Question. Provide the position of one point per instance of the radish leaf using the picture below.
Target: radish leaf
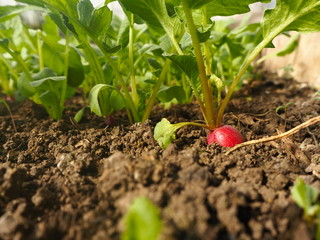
(299, 15)
(142, 221)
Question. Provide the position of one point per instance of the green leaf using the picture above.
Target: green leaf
(51, 29)
(7, 12)
(85, 10)
(142, 221)
(226, 7)
(104, 99)
(150, 11)
(155, 13)
(79, 114)
(154, 63)
(75, 68)
(291, 46)
(24, 86)
(167, 94)
(188, 64)
(299, 15)
(164, 132)
(57, 19)
(46, 89)
(116, 100)
(51, 103)
(100, 21)
(304, 195)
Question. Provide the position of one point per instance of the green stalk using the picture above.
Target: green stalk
(207, 94)
(251, 58)
(207, 52)
(21, 63)
(135, 97)
(155, 91)
(93, 60)
(235, 82)
(11, 70)
(175, 44)
(66, 66)
(40, 55)
(241, 72)
(116, 71)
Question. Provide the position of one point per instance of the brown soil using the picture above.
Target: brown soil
(60, 182)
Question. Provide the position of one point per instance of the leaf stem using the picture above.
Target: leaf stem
(207, 52)
(116, 71)
(40, 55)
(134, 93)
(66, 67)
(20, 62)
(10, 68)
(207, 94)
(93, 60)
(155, 91)
(250, 58)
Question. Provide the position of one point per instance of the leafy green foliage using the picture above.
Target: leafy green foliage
(7, 12)
(105, 99)
(300, 15)
(167, 94)
(142, 221)
(46, 89)
(164, 132)
(229, 7)
(306, 197)
(166, 51)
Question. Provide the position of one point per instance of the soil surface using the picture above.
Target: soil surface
(59, 180)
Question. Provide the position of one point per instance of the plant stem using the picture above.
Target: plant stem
(93, 61)
(134, 93)
(175, 44)
(21, 63)
(207, 94)
(66, 67)
(11, 70)
(40, 55)
(241, 72)
(250, 58)
(207, 52)
(116, 71)
(155, 91)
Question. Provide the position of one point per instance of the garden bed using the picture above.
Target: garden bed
(59, 180)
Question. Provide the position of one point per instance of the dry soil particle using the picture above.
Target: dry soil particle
(60, 181)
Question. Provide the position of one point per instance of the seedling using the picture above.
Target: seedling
(306, 197)
(142, 221)
(292, 19)
(283, 109)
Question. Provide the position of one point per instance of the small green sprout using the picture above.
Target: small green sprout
(306, 197)
(142, 221)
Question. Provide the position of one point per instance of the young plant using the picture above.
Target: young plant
(302, 19)
(142, 221)
(306, 197)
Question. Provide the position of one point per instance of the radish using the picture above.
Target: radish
(225, 136)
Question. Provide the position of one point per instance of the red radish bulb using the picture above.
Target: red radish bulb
(225, 136)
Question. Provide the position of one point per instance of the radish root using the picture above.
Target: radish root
(282, 135)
